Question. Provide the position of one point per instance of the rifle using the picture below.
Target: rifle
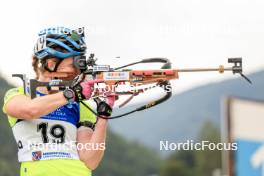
(113, 77)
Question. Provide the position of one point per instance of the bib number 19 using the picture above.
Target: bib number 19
(57, 131)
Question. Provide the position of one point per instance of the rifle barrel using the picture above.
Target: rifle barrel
(221, 69)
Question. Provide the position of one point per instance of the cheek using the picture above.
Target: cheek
(51, 65)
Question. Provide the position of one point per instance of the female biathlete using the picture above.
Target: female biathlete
(55, 133)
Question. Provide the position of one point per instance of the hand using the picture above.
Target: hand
(105, 108)
(83, 90)
(87, 87)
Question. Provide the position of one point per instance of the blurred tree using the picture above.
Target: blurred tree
(127, 158)
(195, 162)
(208, 160)
(175, 167)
